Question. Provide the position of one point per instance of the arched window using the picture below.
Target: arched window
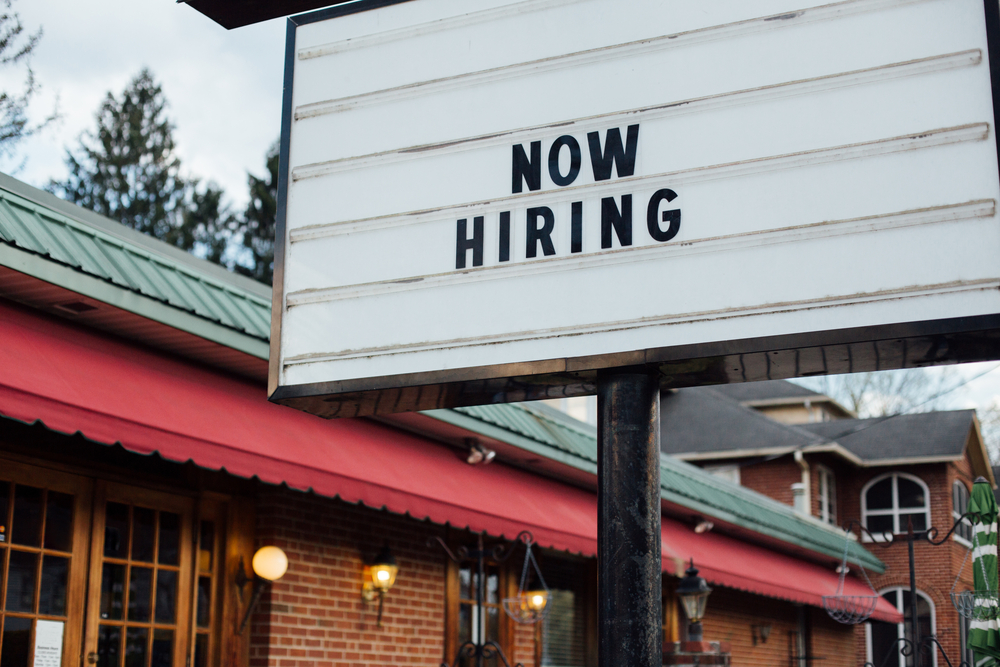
(959, 506)
(883, 638)
(889, 501)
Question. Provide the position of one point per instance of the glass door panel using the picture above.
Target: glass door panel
(44, 520)
(140, 579)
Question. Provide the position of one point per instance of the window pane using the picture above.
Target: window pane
(116, 531)
(204, 600)
(21, 581)
(201, 651)
(140, 590)
(143, 534)
(4, 506)
(27, 528)
(884, 643)
(206, 548)
(492, 587)
(562, 631)
(109, 640)
(911, 494)
(112, 591)
(879, 497)
(136, 641)
(919, 522)
(52, 596)
(16, 642)
(465, 583)
(464, 623)
(492, 623)
(59, 522)
(166, 595)
(170, 538)
(880, 524)
(163, 648)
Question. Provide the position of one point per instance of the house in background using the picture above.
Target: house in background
(141, 466)
(804, 450)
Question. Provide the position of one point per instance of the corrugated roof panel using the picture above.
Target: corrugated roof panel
(95, 246)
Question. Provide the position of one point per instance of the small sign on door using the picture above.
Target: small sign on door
(48, 643)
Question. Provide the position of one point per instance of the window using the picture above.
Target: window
(728, 471)
(890, 501)
(463, 622)
(827, 495)
(883, 638)
(959, 506)
(563, 638)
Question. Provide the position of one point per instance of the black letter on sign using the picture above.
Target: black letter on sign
(531, 170)
(544, 234)
(672, 216)
(505, 236)
(574, 160)
(613, 153)
(576, 227)
(464, 243)
(622, 222)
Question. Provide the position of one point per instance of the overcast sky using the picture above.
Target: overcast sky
(224, 87)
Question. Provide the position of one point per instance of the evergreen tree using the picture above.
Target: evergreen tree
(16, 47)
(128, 170)
(259, 219)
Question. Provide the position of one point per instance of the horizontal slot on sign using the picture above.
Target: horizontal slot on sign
(429, 28)
(783, 235)
(920, 140)
(917, 291)
(878, 74)
(603, 54)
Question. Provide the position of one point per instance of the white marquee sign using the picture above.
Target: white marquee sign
(477, 189)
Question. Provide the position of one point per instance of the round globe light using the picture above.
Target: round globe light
(270, 563)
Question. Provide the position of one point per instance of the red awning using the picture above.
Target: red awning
(74, 379)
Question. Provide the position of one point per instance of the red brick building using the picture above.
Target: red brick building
(804, 450)
(141, 467)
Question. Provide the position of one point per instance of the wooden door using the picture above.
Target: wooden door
(139, 603)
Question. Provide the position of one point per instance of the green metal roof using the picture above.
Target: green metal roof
(548, 432)
(175, 284)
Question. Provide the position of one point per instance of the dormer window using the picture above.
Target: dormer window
(888, 502)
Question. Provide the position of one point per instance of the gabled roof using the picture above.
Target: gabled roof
(938, 436)
(704, 423)
(779, 392)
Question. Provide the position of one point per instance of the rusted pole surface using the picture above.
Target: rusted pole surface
(630, 607)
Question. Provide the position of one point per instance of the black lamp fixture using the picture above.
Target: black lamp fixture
(693, 592)
(269, 564)
(379, 578)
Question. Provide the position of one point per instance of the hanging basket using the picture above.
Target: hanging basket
(529, 606)
(850, 609)
(977, 605)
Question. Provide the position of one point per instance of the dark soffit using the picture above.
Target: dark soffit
(238, 13)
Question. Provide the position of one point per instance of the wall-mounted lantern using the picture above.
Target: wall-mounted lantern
(379, 577)
(760, 633)
(269, 564)
(693, 592)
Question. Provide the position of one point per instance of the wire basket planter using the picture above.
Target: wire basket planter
(528, 606)
(850, 609)
(977, 605)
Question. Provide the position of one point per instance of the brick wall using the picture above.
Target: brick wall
(773, 479)
(936, 566)
(731, 614)
(314, 615)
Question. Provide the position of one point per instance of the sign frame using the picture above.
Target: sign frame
(831, 351)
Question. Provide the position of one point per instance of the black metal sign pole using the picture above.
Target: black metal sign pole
(630, 605)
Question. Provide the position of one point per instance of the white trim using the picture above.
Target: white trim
(895, 510)
(828, 501)
(957, 512)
